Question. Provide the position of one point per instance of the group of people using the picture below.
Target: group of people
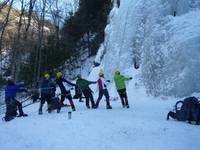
(47, 88)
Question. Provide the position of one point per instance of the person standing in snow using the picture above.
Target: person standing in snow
(87, 92)
(121, 87)
(65, 91)
(45, 90)
(11, 103)
(102, 84)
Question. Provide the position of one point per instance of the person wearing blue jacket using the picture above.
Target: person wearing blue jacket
(11, 103)
(46, 87)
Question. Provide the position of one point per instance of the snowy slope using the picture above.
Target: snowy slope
(142, 127)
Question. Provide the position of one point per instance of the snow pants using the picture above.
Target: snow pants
(11, 107)
(106, 94)
(123, 97)
(67, 95)
(89, 97)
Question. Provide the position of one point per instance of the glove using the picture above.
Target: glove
(108, 81)
(131, 78)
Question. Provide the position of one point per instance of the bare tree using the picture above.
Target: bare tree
(40, 20)
(17, 45)
(3, 4)
(30, 13)
(5, 23)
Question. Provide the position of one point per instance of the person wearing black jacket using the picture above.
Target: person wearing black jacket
(83, 84)
(65, 91)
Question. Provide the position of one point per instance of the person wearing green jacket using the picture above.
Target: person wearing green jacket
(121, 87)
(83, 84)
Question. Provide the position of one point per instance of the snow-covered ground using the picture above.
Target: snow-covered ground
(142, 127)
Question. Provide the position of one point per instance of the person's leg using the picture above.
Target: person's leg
(85, 93)
(122, 97)
(41, 103)
(48, 99)
(106, 94)
(69, 97)
(60, 103)
(63, 95)
(80, 98)
(11, 111)
(126, 100)
(99, 98)
(19, 106)
(91, 99)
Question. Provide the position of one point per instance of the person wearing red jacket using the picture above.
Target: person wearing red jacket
(102, 84)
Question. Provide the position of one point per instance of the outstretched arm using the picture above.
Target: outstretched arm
(92, 82)
(19, 85)
(127, 78)
(72, 84)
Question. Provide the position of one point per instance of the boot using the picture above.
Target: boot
(108, 104)
(97, 103)
(40, 109)
(122, 101)
(94, 106)
(126, 102)
(22, 115)
(73, 109)
(108, 107)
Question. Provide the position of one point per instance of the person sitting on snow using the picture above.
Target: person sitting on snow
(102, 84)
(11, 103)
(121, 87)
(45, 90)
(87, 92)
(65, 91)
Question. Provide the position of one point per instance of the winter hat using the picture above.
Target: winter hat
(46, 75)
(59, 74)
(101, 73)
(117, 72)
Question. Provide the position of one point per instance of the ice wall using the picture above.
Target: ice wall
(168, 46)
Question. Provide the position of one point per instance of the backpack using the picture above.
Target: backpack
(188, 110)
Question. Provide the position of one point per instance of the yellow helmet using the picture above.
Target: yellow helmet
(101, 73)
(117, 72)
(59, 74)
(47, 76)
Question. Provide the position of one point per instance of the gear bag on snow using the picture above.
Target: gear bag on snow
(186, 110)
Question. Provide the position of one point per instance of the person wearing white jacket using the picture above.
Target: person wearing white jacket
(102, 84)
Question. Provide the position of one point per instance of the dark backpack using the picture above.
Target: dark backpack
(188, 109)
